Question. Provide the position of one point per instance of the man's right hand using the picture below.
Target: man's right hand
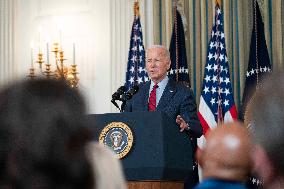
(182, 124)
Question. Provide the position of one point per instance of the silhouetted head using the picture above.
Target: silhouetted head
(226, 154)
(265, 114)
(43, 136)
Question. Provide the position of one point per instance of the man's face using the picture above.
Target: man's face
(157, 64)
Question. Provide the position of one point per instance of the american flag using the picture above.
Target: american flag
(217, 101)
(136, 72)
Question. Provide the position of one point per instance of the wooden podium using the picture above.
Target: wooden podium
(161, 155)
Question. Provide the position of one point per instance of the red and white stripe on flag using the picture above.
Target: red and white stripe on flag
(207, 119)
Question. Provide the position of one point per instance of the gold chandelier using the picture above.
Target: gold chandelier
(61, 71)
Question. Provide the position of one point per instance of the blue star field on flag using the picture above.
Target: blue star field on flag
(136, 72)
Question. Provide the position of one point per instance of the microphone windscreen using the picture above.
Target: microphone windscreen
(121, 89)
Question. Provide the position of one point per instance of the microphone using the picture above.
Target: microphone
(120, 91)
(129, 94)
(116, 96)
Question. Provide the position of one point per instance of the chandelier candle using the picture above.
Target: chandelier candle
(73, 53)
(32, 58)
(47, 53)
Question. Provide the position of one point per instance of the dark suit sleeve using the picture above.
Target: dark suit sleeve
(128, 106)
(188, 111)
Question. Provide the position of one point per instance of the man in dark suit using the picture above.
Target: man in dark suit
(162, 94)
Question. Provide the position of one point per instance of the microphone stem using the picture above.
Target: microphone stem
(123, 106)
(114, 103)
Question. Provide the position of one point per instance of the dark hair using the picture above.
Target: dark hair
(43, 136)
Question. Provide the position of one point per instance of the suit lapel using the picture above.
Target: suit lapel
(169, 91)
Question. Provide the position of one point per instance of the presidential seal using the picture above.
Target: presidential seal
(118, 136)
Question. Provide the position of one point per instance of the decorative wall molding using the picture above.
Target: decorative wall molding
(7, 69)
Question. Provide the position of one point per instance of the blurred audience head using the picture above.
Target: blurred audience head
(226, 154)
(107, 167)
(42, 136)
(266, 115)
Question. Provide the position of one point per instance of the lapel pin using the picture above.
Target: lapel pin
(171, 91)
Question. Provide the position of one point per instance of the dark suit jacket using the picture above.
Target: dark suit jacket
(177, 99)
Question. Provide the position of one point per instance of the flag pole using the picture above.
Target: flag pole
(136, 8)
(218, 2)
(176, 37)
(256, 42)
(136, 15)
(220, 118)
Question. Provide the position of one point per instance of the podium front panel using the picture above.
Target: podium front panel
(159, 152)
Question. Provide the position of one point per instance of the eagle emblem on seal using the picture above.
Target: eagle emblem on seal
(117, 136)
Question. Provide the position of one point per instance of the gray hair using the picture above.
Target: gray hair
(267, 115)
(166, 52)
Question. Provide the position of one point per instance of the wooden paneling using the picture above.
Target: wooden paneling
(155, 185)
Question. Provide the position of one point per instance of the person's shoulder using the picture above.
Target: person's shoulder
(183, 86)
(144, 84)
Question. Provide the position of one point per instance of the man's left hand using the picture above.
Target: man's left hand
(182, 124)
